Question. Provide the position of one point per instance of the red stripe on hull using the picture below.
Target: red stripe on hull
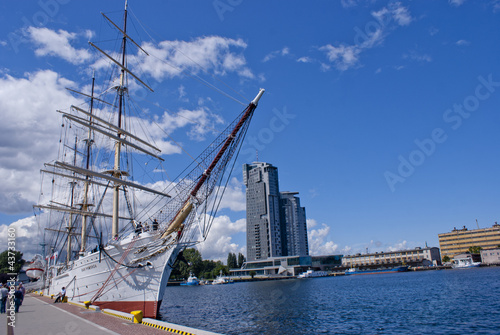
(149, 308)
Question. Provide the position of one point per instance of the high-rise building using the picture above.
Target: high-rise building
(276, 224)
(263, 211)
(460, 240)
(294, 225)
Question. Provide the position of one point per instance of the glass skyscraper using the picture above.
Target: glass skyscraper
(275, 222)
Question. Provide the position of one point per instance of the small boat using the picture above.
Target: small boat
(222, 280)
(191, 281)
(355, 271)
(465, 263)
(312, 274)
(36, 269)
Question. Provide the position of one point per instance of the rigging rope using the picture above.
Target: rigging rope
(124, 255)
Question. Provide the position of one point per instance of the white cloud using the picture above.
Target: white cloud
(211, 53)
(28, 106)
(200, 121)
(29, 133)
(234, 196)
(345, 56)
(394, 11)
(27, 237)
(52, 43)
(283, 52)
(400, 14)
(398, 246)
(317, 239)
(219, 241)
(304, 60)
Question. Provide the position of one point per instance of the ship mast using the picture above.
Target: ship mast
(85, 205)
(70, 220)
(116, 169)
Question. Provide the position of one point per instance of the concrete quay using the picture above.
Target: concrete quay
(39, 315)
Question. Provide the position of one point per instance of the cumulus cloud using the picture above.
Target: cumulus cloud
(52, 43)
(317, 239)
(220, 242)
(398, 246)
(210, 53)
(234, 196)
(29, 133)
(27, 237)
(167, 59)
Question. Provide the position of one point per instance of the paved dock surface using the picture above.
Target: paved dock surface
(40, 316)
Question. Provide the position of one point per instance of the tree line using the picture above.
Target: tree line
(190, 261)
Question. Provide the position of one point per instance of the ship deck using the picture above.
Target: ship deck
(39, 315)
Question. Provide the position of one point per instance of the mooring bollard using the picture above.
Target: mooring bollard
(137, 316)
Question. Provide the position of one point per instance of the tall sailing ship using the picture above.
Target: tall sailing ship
(102, 246)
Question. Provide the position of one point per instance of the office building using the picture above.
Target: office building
(490, 256)
(276, 223)
(264, 229)
(289, 265)
(294, 225)
(459, 241)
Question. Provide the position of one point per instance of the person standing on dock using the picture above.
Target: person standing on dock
(4, 292)
(23, 291)
(18, 299)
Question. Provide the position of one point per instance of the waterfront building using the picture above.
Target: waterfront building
(288, 265)
(276, 223)
(466, 258)
(264, 231)
(490, 256)
(428, 256)
(460, 240)
(295, 226)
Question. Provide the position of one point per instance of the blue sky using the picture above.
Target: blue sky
(382, 114)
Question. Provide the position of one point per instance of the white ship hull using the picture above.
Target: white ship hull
(137, 283)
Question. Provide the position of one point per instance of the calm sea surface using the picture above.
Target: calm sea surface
(430, 302)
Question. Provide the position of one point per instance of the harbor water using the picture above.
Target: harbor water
(465, 301)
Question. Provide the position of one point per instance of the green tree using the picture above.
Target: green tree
(446, 259)
(208, 267)
(231, 261)
(475, 250)
(218, 268)
(252, 273)
(11, 261)
(241, 260)
(194, 261)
